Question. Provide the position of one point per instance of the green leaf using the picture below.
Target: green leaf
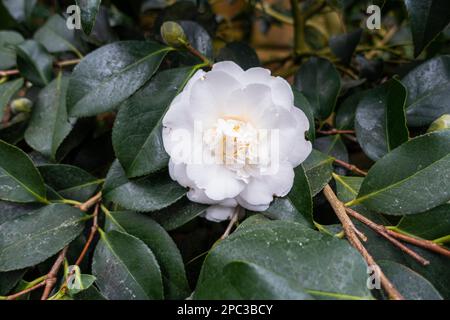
(300, 195)
(137, 130)
(428, 18)
(145, 194)
(320, 82)
(89, 10)
(409, 283)
(302, 103)
(20, 10)
(162, 246)
(413, 178)
(34, 62)
(309, 259)
(38, 236)
(198, 37)
(7, 91)
(430, 225)
(427, 98)
(256, 283)
(8, 41)
(318, 167)
(332, 146)
(126, 268)
(343, 45)
(8, 280)
(78, 282)
(177, 214)
(240, 53)
(13, 210)
(56, 37)
(345, 116)
(49, 124)
(20, 181)
(110, 74)
(380, 119)
(70, 182)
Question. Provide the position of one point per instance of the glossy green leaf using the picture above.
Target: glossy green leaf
(320, 82)
(110, 74)
(302, 103)
(13, 210)
(56, 37)
(345, 116)
(8, 41)
(8, 280)
(332, 146)
(34, 62)
(198, 37)
(49, 124)
(428, 18)
(380, 119)
(89, 10)
(256, 283)
(413, 178)
(162, 246)
(240, 53)
(20, 10)
(137, 130)
(409, 283)
(427, 98)
(343, 45)
(300, 195)
(318, 168)
(70, 182)
(150, 193)
(20, 181)
(126, 268)
(7, 91)
(38, 236)
(309, 259)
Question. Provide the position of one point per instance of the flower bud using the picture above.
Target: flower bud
(21, 105)
(441, 123)
(173, 34)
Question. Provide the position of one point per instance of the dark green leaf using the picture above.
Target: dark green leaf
(162, 246)
(49, 124)
(145, 194)
(428, 18)
(8, 280)
(318, 167)
(300, 195)
(33, 238)
(8, 41)
(332, 146)
(7, 91)
(428, 98)
(254, 282)
(198, 37)
(137, 130)
(126, 268)
(413, 178)
(240, 53)
(20, 10)
(69, 182)
(13, 210)
(56, 37)
(343, 45)
(34, 62)
(302, 103)
(309, 259)
(380, 119)
(20, 181)
(110, 74)
(320, 82)
(89, 10)
(345, 116)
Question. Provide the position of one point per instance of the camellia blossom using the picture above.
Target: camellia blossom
(234, 138)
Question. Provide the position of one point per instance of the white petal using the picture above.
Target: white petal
(219, 213)
(248, 103)
(260, 190)
(282, 93)
(218, 182)
(198, 195)
(177, 172)
(251, 207)
(229, 67)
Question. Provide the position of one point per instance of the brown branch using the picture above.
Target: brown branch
(50, 280)
(427, 244)
(94, 229)
(197, 53)
(21, 293)
(349, 230)
(90, 202)
(233, 220)
(350, 167)
(335, 131)
(59, 64)
(382, 231)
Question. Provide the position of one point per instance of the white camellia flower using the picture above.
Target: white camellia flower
(234, 137)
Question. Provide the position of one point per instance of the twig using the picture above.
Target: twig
(198, 54)
(21, 293)
(427, 244)
(50, 280)
(383, 232)
(335, 131)
(349, 230)
(350, 167)
(60, 64)
(267, 9)
(94, 229)
(90, 202)
(233, 220)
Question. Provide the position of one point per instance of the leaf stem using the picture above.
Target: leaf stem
(350, 167)
(50, 279)
(233, 220)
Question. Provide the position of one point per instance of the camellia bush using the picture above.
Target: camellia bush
(224, 149)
